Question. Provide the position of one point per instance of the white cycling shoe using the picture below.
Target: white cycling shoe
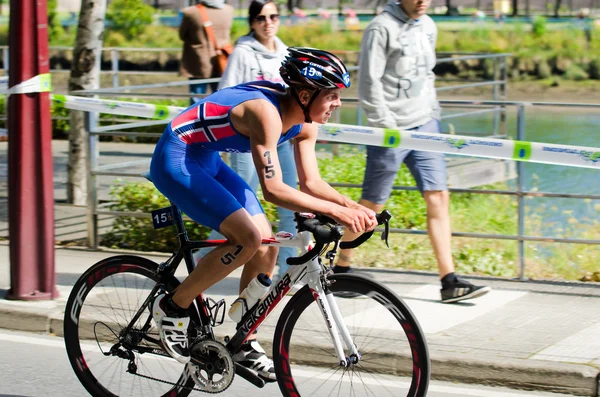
(253, 356)
(172, 330)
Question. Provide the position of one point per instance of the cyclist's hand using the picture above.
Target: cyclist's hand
(372, 216)
(356, 220)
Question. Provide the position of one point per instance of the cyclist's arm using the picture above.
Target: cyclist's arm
(264, 129)
(309, 177)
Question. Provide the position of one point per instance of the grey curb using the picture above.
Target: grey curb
(575, 379)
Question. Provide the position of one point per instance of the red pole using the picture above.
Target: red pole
(30, 184)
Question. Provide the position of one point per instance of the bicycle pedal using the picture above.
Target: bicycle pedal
(217, 311)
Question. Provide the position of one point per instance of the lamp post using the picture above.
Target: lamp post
(30, 185)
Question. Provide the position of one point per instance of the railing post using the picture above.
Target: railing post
(114, 60)
(92, 193)
(520, 198)
(335, 147)
(6, 59)
(504, 77)
(496, 91)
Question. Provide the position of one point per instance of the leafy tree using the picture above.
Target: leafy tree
(55, 29)
(129, 16)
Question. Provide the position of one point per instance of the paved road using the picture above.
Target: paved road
(543, 335)
(36, 365)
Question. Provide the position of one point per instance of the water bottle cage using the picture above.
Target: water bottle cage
(217, 311)
(245, 310)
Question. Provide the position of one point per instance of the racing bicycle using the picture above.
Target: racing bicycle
(339, 334)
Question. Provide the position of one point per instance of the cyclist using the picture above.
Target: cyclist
(253, 117)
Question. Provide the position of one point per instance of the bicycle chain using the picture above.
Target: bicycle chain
(172, 383)
(166, 381)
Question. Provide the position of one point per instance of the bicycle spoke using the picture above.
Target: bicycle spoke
(106, 299)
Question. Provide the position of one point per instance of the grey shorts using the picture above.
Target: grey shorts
(428, 168)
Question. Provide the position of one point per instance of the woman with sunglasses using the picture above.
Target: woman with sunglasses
(258, 56)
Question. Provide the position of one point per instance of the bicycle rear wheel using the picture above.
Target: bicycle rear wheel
(107, 361)
(394, 358)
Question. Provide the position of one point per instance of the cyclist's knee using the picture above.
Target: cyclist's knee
(249, 238)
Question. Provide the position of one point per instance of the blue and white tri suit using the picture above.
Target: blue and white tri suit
(186, 166)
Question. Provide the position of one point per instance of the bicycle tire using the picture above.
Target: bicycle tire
(396, 348)
(91, 312)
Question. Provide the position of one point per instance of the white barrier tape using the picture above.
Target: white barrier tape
(577, 156)
(39, 83)
(135, 109)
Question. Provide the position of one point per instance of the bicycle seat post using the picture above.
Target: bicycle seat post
(178, 220)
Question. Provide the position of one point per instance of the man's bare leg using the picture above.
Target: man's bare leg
(439, 229)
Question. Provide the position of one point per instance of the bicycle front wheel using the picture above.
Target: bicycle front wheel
(107, 360)
(394, 361)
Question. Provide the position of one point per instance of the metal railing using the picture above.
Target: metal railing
(499, 128)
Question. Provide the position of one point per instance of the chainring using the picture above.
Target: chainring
(211, 367)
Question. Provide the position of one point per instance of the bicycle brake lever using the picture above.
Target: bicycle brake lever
(386, 232)
(331, 253)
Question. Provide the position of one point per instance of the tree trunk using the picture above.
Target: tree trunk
(85, 75)
(515, 4)
(556, 8)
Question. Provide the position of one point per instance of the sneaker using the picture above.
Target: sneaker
(252, 356)
(462, 290)
(172, 330)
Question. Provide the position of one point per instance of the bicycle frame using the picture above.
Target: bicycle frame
(312, 269)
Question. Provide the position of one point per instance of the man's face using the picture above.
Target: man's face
(322, 108)
(415, 8)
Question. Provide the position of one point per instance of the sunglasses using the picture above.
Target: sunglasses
(263, 18)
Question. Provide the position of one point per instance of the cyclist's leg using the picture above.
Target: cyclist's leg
(251, 354)
(242, 164)
(190, 179)
(382, 166)
(264, 257)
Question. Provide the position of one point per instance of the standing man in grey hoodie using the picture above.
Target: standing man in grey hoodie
(396, 89)
(258, 56)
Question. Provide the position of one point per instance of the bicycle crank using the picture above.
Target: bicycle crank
(211, 367)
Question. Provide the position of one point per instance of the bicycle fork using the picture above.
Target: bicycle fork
(334, 321)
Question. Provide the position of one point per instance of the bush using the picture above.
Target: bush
(139, 233)
(129, 16)
(539, 27)
(544, 70)
(575, 72)
(594, 69)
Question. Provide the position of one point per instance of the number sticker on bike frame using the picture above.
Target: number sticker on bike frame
(162, 218)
